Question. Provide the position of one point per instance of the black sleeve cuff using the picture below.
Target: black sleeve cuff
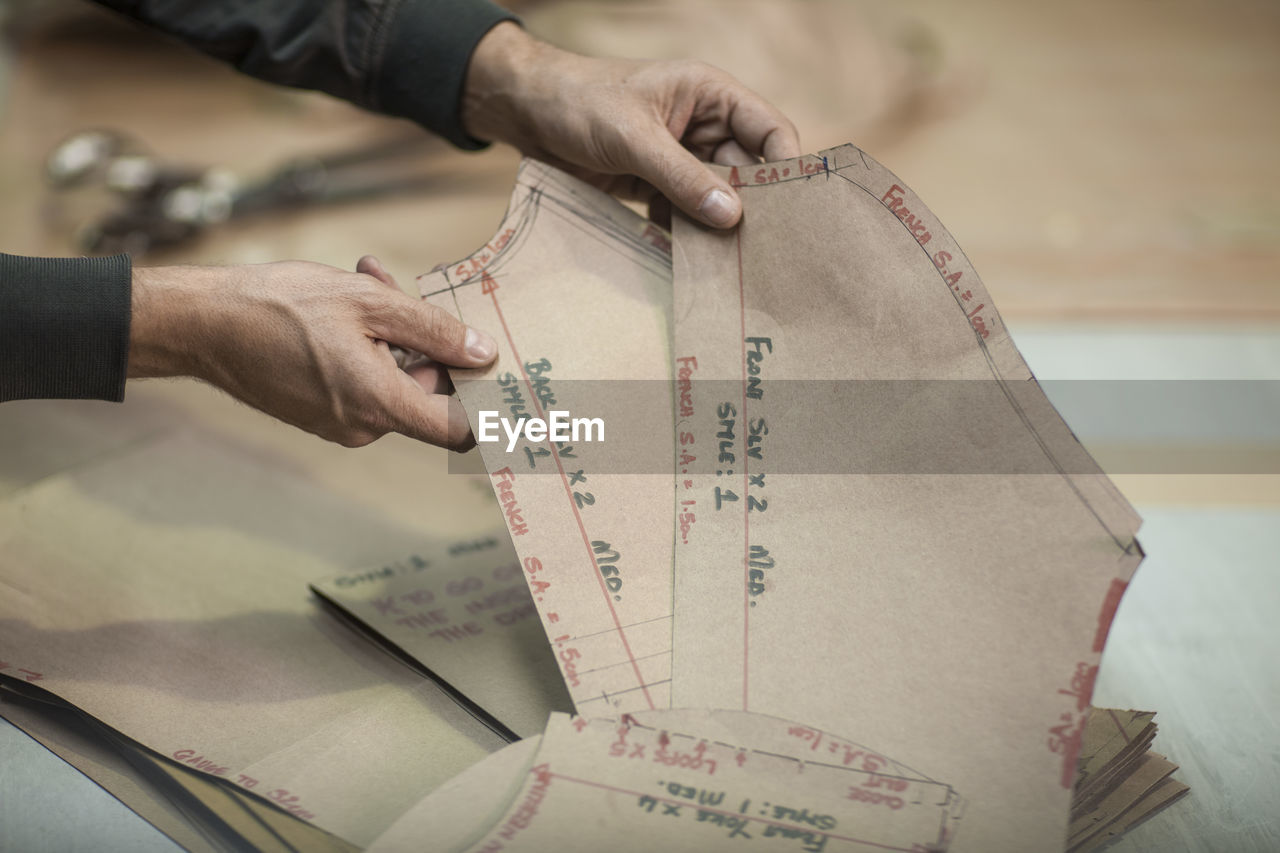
(425, 50)
(64, 327)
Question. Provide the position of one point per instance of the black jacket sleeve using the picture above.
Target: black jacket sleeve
(405, 58)
(64, 327)
(64, 323)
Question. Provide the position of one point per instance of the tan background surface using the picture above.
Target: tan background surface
(1097, 160)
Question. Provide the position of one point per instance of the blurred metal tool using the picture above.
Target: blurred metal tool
(162, 204)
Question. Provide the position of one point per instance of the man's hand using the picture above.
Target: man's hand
(628, 127)
(308, 344)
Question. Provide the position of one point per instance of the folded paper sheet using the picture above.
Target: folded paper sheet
(456, 815)
(641, 784)
(199, 810)
(463, 611)
(491, 805)
(199, 639)
(63, 733)
(940, 576)
(569, 267)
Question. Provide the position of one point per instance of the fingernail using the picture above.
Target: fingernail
(479, 345)
(719, 208)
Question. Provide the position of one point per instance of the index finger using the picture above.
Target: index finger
(760, 127)
(398, 318)
(434, 418)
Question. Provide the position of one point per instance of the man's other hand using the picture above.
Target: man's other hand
(626, 126)
(308, 344)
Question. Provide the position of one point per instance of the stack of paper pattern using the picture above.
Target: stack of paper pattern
(835, 575)
(1119, 782)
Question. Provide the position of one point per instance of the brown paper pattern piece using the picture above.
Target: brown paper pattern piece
(567, 267)
(915, 605)
(641, 785)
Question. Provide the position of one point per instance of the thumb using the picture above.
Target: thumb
(687, 181)
(370, 265)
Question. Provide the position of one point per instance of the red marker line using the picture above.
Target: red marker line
(746, 485)
(586, 540)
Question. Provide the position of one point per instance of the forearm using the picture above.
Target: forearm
(405, 58)
(64, 327)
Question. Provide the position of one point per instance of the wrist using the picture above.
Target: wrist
(163, 328)
(495, 83)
